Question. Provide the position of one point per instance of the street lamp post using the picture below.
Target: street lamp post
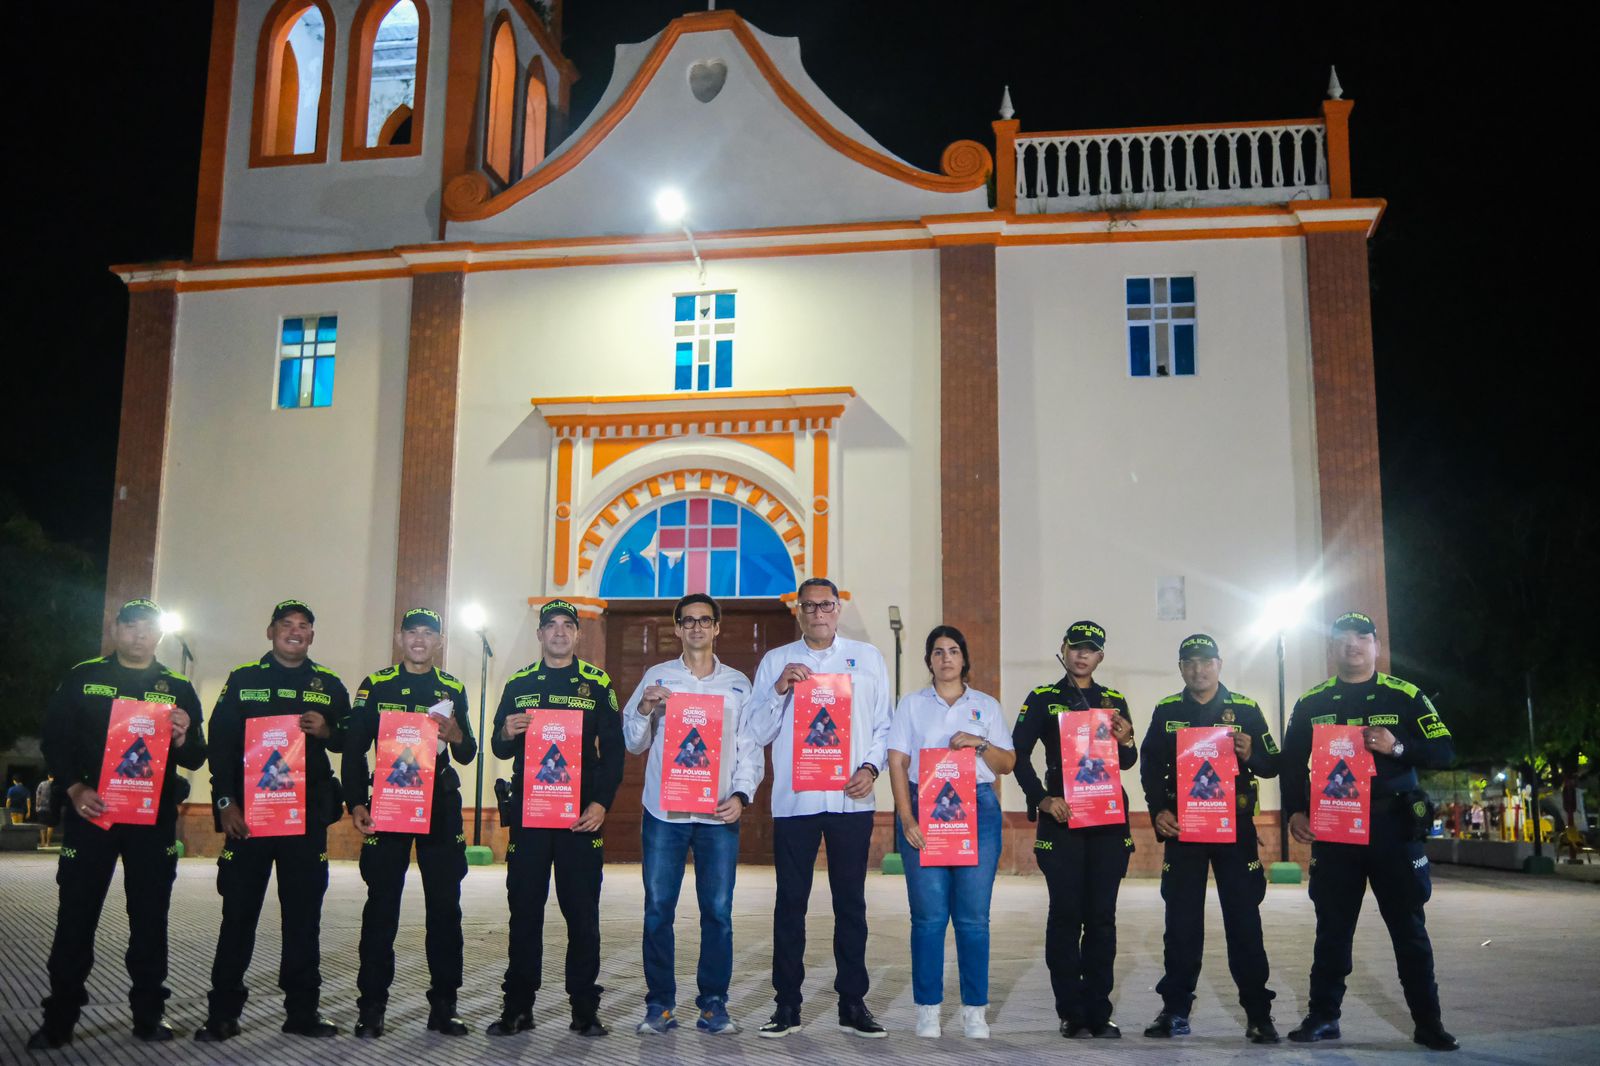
(892, 863)
(172, 626)
(1280, 614)
(674, 211)
(474, 618)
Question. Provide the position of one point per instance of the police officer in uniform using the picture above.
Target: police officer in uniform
(74, 744)
(417, 685)
(284, 681)
(1241, 880)
(559, 679)
(1404, 733)
(1083, 867)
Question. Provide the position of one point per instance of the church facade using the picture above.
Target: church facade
(438, 346)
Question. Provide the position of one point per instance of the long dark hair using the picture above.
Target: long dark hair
(961, 642)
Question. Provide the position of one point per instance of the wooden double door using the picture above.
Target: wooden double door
(640, 634)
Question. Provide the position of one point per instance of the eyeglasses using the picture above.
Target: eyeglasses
(819, 606)
(703, 621)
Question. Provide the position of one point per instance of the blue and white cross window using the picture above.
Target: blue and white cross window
(1161, 324)
(702, 331)
(305, 360)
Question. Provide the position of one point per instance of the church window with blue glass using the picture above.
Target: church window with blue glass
(305, 360)
(698, 544)
(703, 334)
(1161, 325)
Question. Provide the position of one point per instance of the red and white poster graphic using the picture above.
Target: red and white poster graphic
(691, 753)
(552, 769)
(402, 774)
(1091, 769)
(275, 776)
(1341, 784)
(822, 733)
(135, 763)
(1207, 766)
(947, 806)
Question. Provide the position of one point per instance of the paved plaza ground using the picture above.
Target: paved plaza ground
(1518, 959)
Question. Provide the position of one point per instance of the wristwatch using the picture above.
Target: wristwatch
(873, 769)
(982, 747)
(1398, 750)
(223, 803)
(743, 798)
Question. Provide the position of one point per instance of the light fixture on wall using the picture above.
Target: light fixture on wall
(674, 211)
(172, 626)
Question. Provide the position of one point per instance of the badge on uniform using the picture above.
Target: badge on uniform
(1228, 716)
(851, 663)
(161, 686)
(583, 689)
(315, 684)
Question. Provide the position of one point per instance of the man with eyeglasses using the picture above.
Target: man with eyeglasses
(669, 836)
(803, 821)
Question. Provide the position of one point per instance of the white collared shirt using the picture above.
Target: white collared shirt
(772, 719)
(925, 720)
(740, 773)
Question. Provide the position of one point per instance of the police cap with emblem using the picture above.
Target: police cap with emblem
(1353, 622)
(555, 607)
(1199, 646)
(288, 607)
(1085, 633)
(421, 616)
(138, 610)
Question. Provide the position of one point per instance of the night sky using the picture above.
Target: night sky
(1483, 369)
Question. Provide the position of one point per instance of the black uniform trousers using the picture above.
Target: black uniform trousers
(385, 860)
(578, 860)
(795, 841)
(1083, 870)
(1397, 868)
(1241, 886)
(88, 860)
(242, 874)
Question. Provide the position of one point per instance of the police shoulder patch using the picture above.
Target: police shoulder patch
(1395, 683)
(388, 673)
(1318, 688)
(1239, 699)
(1268, 743)
(524, 672)
(1042, 689)
(592, 671)
(1432, 728)
(1178, 698)
(449, 680)
(253, 664)
(319, 668)
(91, 662)
(167, 671)
(1114, 694)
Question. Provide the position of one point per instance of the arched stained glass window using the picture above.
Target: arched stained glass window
(698, 545)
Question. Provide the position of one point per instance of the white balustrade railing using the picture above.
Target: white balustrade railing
(1139, 169)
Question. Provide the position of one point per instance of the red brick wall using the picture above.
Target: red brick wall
(1347, 425)
(969, 461)
(427, 465)
(141, 446)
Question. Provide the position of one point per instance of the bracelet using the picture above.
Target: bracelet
(870, 769)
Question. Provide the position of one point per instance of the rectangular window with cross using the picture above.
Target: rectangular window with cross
(305, 360)
(702, 332)
(1161, 325)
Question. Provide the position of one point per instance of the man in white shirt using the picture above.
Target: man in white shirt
(669, 835)
(803, 820)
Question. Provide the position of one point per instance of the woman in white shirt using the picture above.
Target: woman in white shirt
(952, 716)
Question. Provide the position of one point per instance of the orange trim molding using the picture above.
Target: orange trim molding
(967, 163)
(546, 41)
(358, 82)
(563, 512)
(461, 95)
(275, 28)
(819, 504)
(1336, 116)
(214, 137)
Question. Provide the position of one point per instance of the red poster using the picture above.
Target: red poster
(1091, 769)
(1341, 784)
(135, 762)
(402, 776)
(552, 769)
(1207, 766)
(822, 733)
(691, 753)
(275, 776)
(947, 806)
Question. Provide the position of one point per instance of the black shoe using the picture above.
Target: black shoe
(446, 1023)
(511, 1022)
(1433, 1037)
(216, 1030)
(370, 1025)
(785, 1021)
(1313, 1029)
(153, 1032)
(857, 1020)
(1262, 1032)
(47, 1039)
(1168, 1024)
(1075, 1030)
(1106, 1030)
(588, 1025)
(313, 1025)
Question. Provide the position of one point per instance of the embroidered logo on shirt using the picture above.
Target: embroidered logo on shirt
(256, 695)
(100, 690)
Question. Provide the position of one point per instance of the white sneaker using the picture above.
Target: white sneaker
(974, 1023)
(928, 1020)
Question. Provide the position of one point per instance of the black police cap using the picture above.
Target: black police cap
(1199, 646)
(137, 610)
(292, 607)
(421, 616)
(1353, 622)
(1085, 632)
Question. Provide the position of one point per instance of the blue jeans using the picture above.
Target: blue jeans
(716, 861)
(953, 895)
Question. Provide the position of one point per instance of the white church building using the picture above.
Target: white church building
(438, 346)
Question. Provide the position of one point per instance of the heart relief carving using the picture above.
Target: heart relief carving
(706, 78)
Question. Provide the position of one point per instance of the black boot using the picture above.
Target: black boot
(369, 1026)
(1106, 1030)
(48, 1038)
(588, 1024)
(1262, 1031)
(511, 1022)
(443, 1020)
(152, 1030)
(1168, 1024)
(216, 1030)
(1315, 1028)
(312, 1025)
(1432, 1036)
